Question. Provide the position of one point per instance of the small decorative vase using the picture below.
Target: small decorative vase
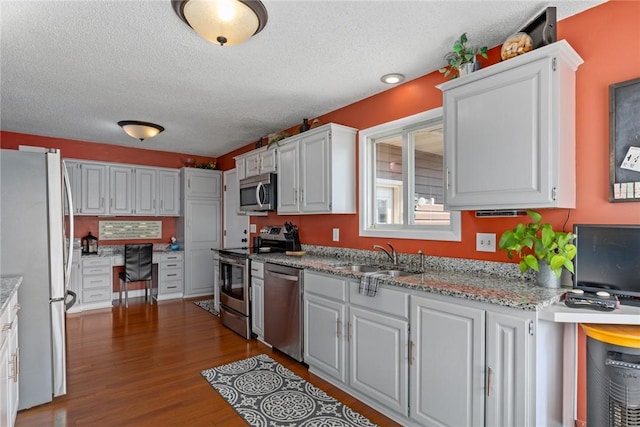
(466, 68)
(546, 277)
(305, 125)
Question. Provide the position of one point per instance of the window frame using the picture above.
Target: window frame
(367, 184)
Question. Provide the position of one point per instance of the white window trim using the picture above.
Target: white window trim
(453, 232)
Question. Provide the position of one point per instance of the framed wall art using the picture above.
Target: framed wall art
(624, 141)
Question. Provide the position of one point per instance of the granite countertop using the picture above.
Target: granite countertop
(8, 285)
(471, 281)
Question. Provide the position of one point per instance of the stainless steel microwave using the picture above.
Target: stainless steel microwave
(258, 193)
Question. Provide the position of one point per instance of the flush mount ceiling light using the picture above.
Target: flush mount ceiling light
(227, 22)
(140, 130)
(392, 78)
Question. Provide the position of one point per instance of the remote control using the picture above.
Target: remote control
(599, 301)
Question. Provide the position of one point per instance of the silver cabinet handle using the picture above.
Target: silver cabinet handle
(489, 373)
(411, 345)
(338, 327)
(349, 331)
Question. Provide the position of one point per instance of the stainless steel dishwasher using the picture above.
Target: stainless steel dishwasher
(283, 309)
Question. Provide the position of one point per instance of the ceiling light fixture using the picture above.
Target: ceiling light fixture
(140, 130)
(392, 78)
(227, 22)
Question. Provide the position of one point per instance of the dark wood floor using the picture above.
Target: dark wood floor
(141, 367)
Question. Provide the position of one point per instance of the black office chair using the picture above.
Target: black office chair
(137, 268)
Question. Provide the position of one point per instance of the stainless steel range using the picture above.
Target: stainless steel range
(234, 280)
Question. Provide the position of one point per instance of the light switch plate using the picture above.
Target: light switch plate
(336, 234)
(486, 242)
(252, 228)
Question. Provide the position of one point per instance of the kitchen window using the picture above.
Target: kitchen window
(402, 180)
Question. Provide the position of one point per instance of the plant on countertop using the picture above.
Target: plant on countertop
(210, 165)
(536, 241)
(461, 54)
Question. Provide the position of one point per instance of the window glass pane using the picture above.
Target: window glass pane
(428, 176)
(388, 180)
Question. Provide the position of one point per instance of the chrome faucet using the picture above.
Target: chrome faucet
(393, 255)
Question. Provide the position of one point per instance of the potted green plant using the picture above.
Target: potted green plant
(462, 58)
(540, 248)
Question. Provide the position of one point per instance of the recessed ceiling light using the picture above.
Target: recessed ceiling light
(392, 78)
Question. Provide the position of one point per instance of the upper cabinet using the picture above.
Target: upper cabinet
(99, 188)
(510, 133)
(316, 171)
(256, 162)
(201, 183)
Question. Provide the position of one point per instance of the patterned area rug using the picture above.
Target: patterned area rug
(207, 304)
(265, 393)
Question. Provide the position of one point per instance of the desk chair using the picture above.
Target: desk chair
(137, 268)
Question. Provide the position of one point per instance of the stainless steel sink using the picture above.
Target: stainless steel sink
(396, 273)
(358, 268)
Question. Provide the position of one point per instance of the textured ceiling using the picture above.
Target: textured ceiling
(73, 69)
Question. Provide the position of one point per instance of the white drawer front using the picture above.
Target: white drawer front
(330, 287)
(96, 262)
(96, 271)
(173, 274)
(96, 282)
(96, 295)
(178, 256)
(386, 300)
(170, 287)
(257, 269)
(171, 264)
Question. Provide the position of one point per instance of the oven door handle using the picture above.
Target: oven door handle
(285, 276)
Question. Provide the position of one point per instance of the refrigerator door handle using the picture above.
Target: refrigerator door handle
(67, 268)
(69, 304)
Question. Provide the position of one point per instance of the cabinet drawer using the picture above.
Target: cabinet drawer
(170, 287)
(327, 286)
(96, 262)
(95, 271)
(172, 257)
(96, 295)
(173, 274)
(257, 269)
(92, 282)
(164, 265)
(386, 300)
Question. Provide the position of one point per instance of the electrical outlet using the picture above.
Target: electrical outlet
(336, 234)
(252, 228)
(486, 242)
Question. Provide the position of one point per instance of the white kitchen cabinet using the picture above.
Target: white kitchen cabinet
(447, 364)
(316, 171)
(93, 188)
(199, 229)
(170, 276)
(325, 318)
(169, 192)
(121, 190)
(9, 362)
(202, 183)
(510, 133)
(74, 175)
(256, 162)
(146, 191)
(96, 282)
(257, 299)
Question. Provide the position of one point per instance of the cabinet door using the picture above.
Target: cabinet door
(315, 180)
(508, 379)
(268, 161)
(73, 172)
(447, 370)
(93, 185)
(257, 306)
(288, 187)
(501, 124)
(323, 331)
(252, 165)
(5, 369)
(169, 192)
(120, 190)
(202, 219)
(146, 191)
(240, 168)
(14, 368)
(378, 357)
(202, 183)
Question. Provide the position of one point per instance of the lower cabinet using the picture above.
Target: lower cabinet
(9, 362)
(257, 299)
(433, 360)
(96, 282)
(170, 276)
(447, 364)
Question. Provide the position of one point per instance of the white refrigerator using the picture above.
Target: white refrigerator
(33, 245)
